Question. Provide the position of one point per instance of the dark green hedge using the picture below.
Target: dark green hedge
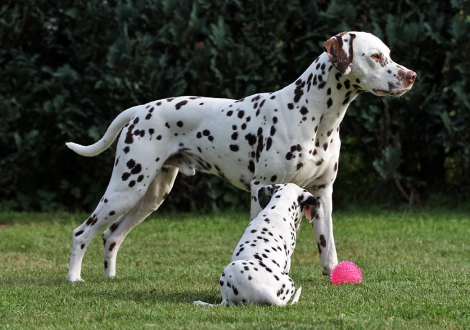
(68, 68)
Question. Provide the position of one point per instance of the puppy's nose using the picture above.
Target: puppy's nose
(410, 75)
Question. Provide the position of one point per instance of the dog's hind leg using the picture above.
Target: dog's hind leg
(202, 303)
(129, 182)
(104, 214)
(296, 296)
(151, 201)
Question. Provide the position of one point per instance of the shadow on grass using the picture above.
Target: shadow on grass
(161, 297)
(105, 289)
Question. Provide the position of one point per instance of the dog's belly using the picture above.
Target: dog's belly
(241, 168)
(236, 170)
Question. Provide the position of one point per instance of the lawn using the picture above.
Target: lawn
(416, 274)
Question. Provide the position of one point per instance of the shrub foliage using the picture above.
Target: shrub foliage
(69, 67)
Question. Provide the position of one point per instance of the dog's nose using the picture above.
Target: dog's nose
(410, 75)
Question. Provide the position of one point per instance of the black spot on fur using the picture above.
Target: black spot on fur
(136, 169)
(251, 166)
(322, 241)
(180, 104)
(269, 142)
(273, 131)
(299, 92)
(129, 139)
(113, 227)
(130, 164)
(234, 147)
(251, 139)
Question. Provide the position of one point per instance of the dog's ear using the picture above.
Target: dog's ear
(310, 205)
(264, 195)
(340, 51)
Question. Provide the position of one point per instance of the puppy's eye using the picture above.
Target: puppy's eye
(376, 57)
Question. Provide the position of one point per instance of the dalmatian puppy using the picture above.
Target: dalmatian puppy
(290, 135)
(259, 270)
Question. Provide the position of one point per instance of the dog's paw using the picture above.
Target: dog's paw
(74, 279)
(201, 303)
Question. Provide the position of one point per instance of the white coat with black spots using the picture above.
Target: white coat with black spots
(290, 135)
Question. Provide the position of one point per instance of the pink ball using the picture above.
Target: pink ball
(346, 272)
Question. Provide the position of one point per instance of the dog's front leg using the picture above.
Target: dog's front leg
(323, 228)
(255, 208)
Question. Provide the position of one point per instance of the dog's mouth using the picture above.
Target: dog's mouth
(381, 92)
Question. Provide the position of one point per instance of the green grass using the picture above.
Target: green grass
(415, 265)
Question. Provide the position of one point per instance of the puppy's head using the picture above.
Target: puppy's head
(297, 200)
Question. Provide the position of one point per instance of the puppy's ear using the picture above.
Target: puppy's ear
(311, 206)
(264, 195)
(340, 51)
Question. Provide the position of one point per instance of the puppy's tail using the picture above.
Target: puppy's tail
(201, 303)
(108, 138)
(296, 296)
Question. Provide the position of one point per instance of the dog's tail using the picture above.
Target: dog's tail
(202, 303)
(108, 138)
(296, 296)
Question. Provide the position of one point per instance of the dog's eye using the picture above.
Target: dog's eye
(376, 57)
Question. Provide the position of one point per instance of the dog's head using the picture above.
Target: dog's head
(366, 60)
(297, 201)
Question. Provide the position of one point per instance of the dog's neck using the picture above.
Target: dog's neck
(325, 93)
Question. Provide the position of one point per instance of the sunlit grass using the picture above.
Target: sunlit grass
(416, 269)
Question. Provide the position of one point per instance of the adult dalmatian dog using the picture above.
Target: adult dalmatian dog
(259, 271)
(290, 135)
